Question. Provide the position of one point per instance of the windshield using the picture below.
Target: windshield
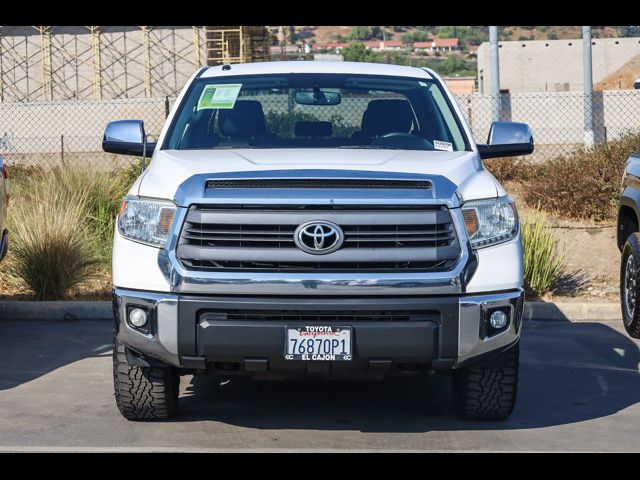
(315, 111)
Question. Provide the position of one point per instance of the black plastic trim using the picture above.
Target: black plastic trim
(507, 150)
(190, 309)
(485, 357)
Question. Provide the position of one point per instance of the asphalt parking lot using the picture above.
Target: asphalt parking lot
(579, 390)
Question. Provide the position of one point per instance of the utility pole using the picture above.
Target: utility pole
(495, 74)
(588, 87)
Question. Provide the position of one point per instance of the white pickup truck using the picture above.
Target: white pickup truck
(319, 219)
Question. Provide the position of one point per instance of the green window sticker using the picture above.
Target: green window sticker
(219, 96)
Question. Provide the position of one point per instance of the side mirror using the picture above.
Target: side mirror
(128, 138)
(507, 139)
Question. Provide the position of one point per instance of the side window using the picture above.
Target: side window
(447, 115)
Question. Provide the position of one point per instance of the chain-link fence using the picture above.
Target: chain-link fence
(48, 133)
(45, 134)
(557, 119)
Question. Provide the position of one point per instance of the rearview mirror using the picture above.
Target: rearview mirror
(127, 137)
(507, 139)
(318, 97)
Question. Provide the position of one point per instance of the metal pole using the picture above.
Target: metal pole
(588, 87)
(196, 47)
(495, 74)
(147, 61)
(1, 80)
(97, 64)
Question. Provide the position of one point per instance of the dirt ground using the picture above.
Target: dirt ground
(96, 287)
(591, 253)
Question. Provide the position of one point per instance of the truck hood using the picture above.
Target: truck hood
(170, 168)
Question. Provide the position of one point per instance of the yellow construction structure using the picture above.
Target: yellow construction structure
(49, 63)
(237, 44)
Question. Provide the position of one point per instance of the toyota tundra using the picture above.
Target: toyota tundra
(318, 219)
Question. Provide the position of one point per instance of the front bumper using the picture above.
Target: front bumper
(181, 335)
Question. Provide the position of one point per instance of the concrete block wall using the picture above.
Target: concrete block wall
(548, 65)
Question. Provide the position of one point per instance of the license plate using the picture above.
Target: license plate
(318, 343)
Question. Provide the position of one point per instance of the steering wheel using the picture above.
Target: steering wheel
(403, 140)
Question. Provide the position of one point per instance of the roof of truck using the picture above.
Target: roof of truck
(316, 67)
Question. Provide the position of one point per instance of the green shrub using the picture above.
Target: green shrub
(543, 263)
(50, 243)
(104, 192)
(585, 184)
(357, 52)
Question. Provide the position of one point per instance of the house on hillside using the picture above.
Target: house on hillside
(331, 47)
(445, 45)
(383, 46)
(436, 45)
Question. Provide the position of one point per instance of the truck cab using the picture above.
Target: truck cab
(317, 219)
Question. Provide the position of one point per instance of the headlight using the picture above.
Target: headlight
(490, 221)
(146, 221)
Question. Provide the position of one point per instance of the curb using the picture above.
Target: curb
(572, 311)
(84, 310)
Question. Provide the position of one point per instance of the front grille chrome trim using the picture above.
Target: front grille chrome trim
(402, 239)
(182, 280)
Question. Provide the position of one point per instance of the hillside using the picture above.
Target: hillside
(468, 35)
(623, 78)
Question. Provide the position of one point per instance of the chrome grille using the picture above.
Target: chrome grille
(262, 239)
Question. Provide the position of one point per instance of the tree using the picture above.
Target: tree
(420, 36)
(454, 65)
(628, 31)
(360, 33)
(293, 35)
(357, 52)
(446, 32)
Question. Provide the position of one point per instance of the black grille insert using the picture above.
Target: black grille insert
(320, 316)
(318, 183)
(281, 236)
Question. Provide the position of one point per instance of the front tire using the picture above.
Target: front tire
(630, 285)
(143, 393)
(487, 391)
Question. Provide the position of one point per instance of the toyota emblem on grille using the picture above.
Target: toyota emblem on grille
(318, 237)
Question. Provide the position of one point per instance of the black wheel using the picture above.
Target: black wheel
(143, 393)
(629, 284)
(487, 391)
